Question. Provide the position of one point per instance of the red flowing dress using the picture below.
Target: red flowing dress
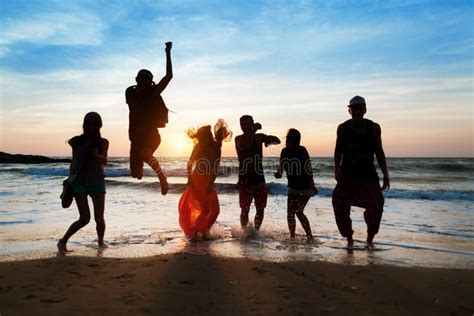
(198, 209)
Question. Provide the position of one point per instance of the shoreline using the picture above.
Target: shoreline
(184, 283)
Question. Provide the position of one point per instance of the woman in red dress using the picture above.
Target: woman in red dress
(199, 205)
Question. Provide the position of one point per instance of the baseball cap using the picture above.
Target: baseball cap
(357, 100)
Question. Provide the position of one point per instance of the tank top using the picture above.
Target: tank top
(91, 170)
(358, 150)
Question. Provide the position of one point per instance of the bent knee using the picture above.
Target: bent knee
(84, 220)
(300, 215)
(245, 210)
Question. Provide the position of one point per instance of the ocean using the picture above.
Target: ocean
(428, 216)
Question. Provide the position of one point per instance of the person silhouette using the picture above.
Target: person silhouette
(199, 204)
(251, 178)
(358, 140)
(89, 155)
(295, 161)
(148, 112)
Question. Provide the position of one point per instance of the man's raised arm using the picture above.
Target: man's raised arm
(169, 70)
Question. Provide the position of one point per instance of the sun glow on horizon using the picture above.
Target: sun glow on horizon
(182, 145)
(288, 64)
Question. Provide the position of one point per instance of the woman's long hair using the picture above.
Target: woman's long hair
(201, 134)
(221, 133)
(95, 137)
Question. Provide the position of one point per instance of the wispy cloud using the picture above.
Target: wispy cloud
(289, 64)
(58, 28)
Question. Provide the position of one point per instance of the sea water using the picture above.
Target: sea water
(427, 220)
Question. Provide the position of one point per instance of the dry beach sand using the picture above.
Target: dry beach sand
(203, 284)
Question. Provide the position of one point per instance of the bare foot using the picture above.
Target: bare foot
(369, 242)
(369, 245)
(62, 250)
(350, 242)
(164, 185)
(196, 238)
(309, 239)
(206, 235)
(103, 245)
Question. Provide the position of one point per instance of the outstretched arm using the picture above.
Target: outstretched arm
(379, 153)
(338, 154)
(169, 71)
(270, 140)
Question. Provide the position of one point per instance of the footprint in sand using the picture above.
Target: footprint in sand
(259, 270)
(52, 300)
(186, 282)
(6, 289)
(124, 276)
(131, 297)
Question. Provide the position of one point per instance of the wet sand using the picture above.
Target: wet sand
(203, 284)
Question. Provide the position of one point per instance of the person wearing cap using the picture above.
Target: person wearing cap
(251, 179)
(358, 141)
(89, 155)
(148, 112)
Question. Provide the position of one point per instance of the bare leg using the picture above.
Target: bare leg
(350, 242)
(99, 205)
(259, 217)
(244, 216)
(370, 241)
(291, 216)
(155, 165)
(300, 205)
(260, 195)
(306, 226)
(84, 218)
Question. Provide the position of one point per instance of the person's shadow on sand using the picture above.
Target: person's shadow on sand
(180, 290)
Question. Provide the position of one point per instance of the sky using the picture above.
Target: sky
(289, 64)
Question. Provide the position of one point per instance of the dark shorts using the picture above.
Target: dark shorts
(148, 139)
(92, 190)
(247, 193)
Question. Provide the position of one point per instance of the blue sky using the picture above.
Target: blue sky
(290, 64)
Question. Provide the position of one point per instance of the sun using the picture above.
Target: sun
(183, 145)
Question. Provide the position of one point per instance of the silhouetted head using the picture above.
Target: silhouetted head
(293, 138)
(357, 107)
(144, 78)
(247, 124)
(92, 124)
(203, 135)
